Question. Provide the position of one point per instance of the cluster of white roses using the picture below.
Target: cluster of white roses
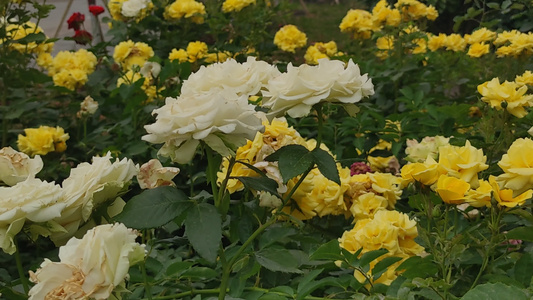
(214, 108)
(58, 212)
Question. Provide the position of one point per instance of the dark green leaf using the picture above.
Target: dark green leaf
(494, 291)
(199, 273)
(523, 269)
(277, 260)
(521, 233)
(178, 267)
(328, 251)
(203, 229)
(293, 160)
(153, 208)
(326, 165)
(383, 265)
(260, 184)
(417, 266)
(370, 256)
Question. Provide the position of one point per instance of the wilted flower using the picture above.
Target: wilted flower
(87, 107)
(82, 37)
(42, 140)
(31, 200)
(418, 152)
(17, 166)
(152, 174)
(289, 38)
(75, 21)
(83, 272)
(359, 168)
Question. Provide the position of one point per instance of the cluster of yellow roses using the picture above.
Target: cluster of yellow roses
(42, 140)
(133, 58)
(455, 175)
(362, 23)
(188, 9)
(509, 95)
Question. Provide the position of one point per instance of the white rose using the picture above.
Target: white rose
(231, 78)
(89, 185)
(33, 200)
(132, 8)
(209, 117)
(297, 90)
(17, 166)
(89, 268)
(351, 86)
(152, 174)
(418, 152)
(150, 69)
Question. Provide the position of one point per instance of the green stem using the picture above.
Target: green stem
(320, 119)
(20, 270)
(227, 268)
(212, 176)
(147, 287)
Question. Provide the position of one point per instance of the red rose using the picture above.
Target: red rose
(96, 9)
(75, 20)
(82, 37)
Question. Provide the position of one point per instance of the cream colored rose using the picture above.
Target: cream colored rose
(297, 90)
(210, 117)
(31, 200)
(150, 69)
(152, 174)
(132, 8)
(418, 152)
(230, 78)
(16, 166)
(517, 165)
(89, 185)
(89, 268)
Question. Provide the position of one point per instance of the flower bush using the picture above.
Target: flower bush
(250, 159)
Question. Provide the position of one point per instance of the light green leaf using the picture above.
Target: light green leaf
(154, 208)
(494, 291)
(328, 251)
(277, 260)
(203, 229)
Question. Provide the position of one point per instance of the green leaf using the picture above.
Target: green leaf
(260, 184)
(493, 5)
(277, 260)
(417, 266)
(293, 160)
(522, 269)
(306, 280)
(203, 228)
(326, 165)
(153, 208)
(178, 267)
(328, 251)
(494, 291)
(370, 256)
(199, 273)
(383, 265)
(521, 233)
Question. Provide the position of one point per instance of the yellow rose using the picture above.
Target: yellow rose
(42, 140)
(196, 50)
(513, 94)
(481, 196)
(505, 197)
(525, 79)
(452, 190)
(455, 42)
(463, 162)
(289, 38)
(426, 173)
(366, 205)
(478, 50)
(517, 165)
(235, 5)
